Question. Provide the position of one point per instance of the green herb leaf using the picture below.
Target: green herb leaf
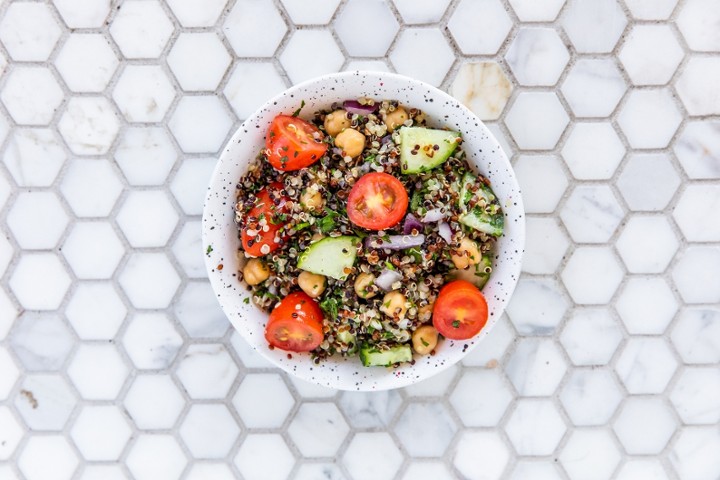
(330, 306)
(424, 342)
(456, 324)
(209, 250)
(246, 300)
(297, 112)
(327, 223)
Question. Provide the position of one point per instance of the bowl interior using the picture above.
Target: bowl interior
(220, 235)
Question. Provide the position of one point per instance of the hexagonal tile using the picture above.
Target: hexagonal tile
(89, 125)
(145, 155)
(37, 220)
(263, 401)
(537, 56)
(646, 305)
(216, 471)
(8, 314)
(434, 386)
(151, 341)
(264, 457)
(430, 469)
(645, 468)
(250, 84)
(545, 245)
(100, 432)
(252, 359)
(592, 213)
(165, 408)
(6, 253)
(644, 425)
(590, 455)
(311, 53)
(651, 54)
(143, 93)
(188, 250)
(536, 367)
(372, 65)
(651, 10)
(697, 86)
(318, 430)
(41, 341)
(537, 306)
(141, 29)
(535, 427)
(29, 32)
(86, 62)
(154, 456)
(103, 472)
(535, 470)
(200, 124)
(370, 409)
(10, 433)
(698, 149)
(97, 371)
(31, 95)
(695, 274)
(5, 187)
(413, 12)
(199, 312)
(698, 203)
(696, 21)
(593, 87)
(536, 120)
(93, 250)
(481, 454)
(39, 281)
(95, 311)
(483, 87)
(7, 470)
(693, 455)
(542, 181)
(83, 13)
(484, 410)
(646, 365)
(191, 13)
(351, 21)
(599, 287)
(537, 11)
(189, 185)
(647, 244)
(45, 402)
(48, 456)
(695, 396)
(34, 157)
(91, 187)
(198, 60)
(593, 151)
(147, 218)
(649, 118)
(416, 47)
(10, 372)
(425, 429)
(479, 27)
(250, 38)
(590, 397)
(648, 182)
(149, 280)
(376, 445)
(499, 339)
(207, 371)
(594, 27)
(209, 431)
(696, 335)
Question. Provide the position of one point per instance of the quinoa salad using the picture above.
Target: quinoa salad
(365, 232)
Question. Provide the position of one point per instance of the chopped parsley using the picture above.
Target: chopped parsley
(330, 306)
(424, 342)
(209, 250)
(327, 223)
(246, 301)
(456, 324)
(297, 112)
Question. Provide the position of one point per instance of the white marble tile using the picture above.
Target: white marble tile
(593, 27)
(83, 13)
(697, 20)
(5, 188)
(590, 397)
(151, 341)
(41, 342)
(264, 457)
(648, 182)
(650, 54)
(537, 10)
(646, 305)
(479, 26)
(156, 456)
(39, 281)
(421, 11)
(645, 468)
(91, 187)
(545, 245)
(644, 425)
(593, 151)
(536, 120)
(318, 430)
(315, 471)
(646, 365)
(319, 14)
(89, 125)
(595, 289)
(698, 88)
(86, 62)
(592, 214)
(100, 432)
(250, 85)
(539, 470)
(9, 312)
(95, 311)
(481, 455)
(103, 472)
(694, 455)
(209, 431)
(199, 312)
(370, 409)
(647, 244)
(10, 372)
(145, 155)
(29, 31)
(537, 56)
(188, 250)
(696, 335)
(143, 93)
(490, 352)
(378, 446)
(6, 253)
(537, 306)
(34, 157)
(695, 274)
(198, 61)
(97, 371)
(483, 87)
(481, 410)
(207, 371)
(141, 29)
(416, 48)
(37, 220)
(31, 95)
(590, 455)
(698, 149)
(197, 13)
(649, 118)
(696, 396)
(10, 434)
(189, 185)
(435, 386)
(697, 204)
(418, 470)
(310, 53)
(93, 250)
(542, 181)
(48, 456)
(163, 411)
(252, 359)
(651, 9)
(535, 427)
(250, 38)
(593, 87)
(214, 471)
(263, 400)
(425, 429)
(536, 367)
(149, 280)
(147, 218)
(200, 124)
(351, 27)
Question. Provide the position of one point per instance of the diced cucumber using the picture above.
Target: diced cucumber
(478, 274)
(346, 337)
(426, 156)
(478, 218)
(372, 357)
(330, 256)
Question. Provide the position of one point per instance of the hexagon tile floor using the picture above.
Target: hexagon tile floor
(116, 362)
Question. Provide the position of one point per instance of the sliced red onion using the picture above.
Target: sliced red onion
(411, 222)
(445, 232)
(395, 242)
(434, 215)
(355, 107)
(387, 278)
(386, 139)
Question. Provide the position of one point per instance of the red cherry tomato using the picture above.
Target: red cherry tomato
(270, 206)
(293, 143)
(295, 324)
(460, 311)
(377, 201)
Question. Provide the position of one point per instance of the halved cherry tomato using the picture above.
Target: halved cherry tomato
(268, 207)
(460, 311)
(377, 201)
(295, 324)
(291, 144)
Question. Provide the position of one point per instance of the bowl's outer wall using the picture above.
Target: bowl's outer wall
(220, 234)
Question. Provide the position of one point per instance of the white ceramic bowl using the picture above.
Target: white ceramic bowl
(220, 234)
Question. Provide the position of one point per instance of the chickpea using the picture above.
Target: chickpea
(468, 254)
(394, 304)
(424, 339)
(312, 200)
(395, 119)
(351, 141)
(336, 122)
(365, 285)
(425, 312)
(312, 284)
(255, 271)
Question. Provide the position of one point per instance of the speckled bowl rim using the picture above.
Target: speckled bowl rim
(220, 240)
